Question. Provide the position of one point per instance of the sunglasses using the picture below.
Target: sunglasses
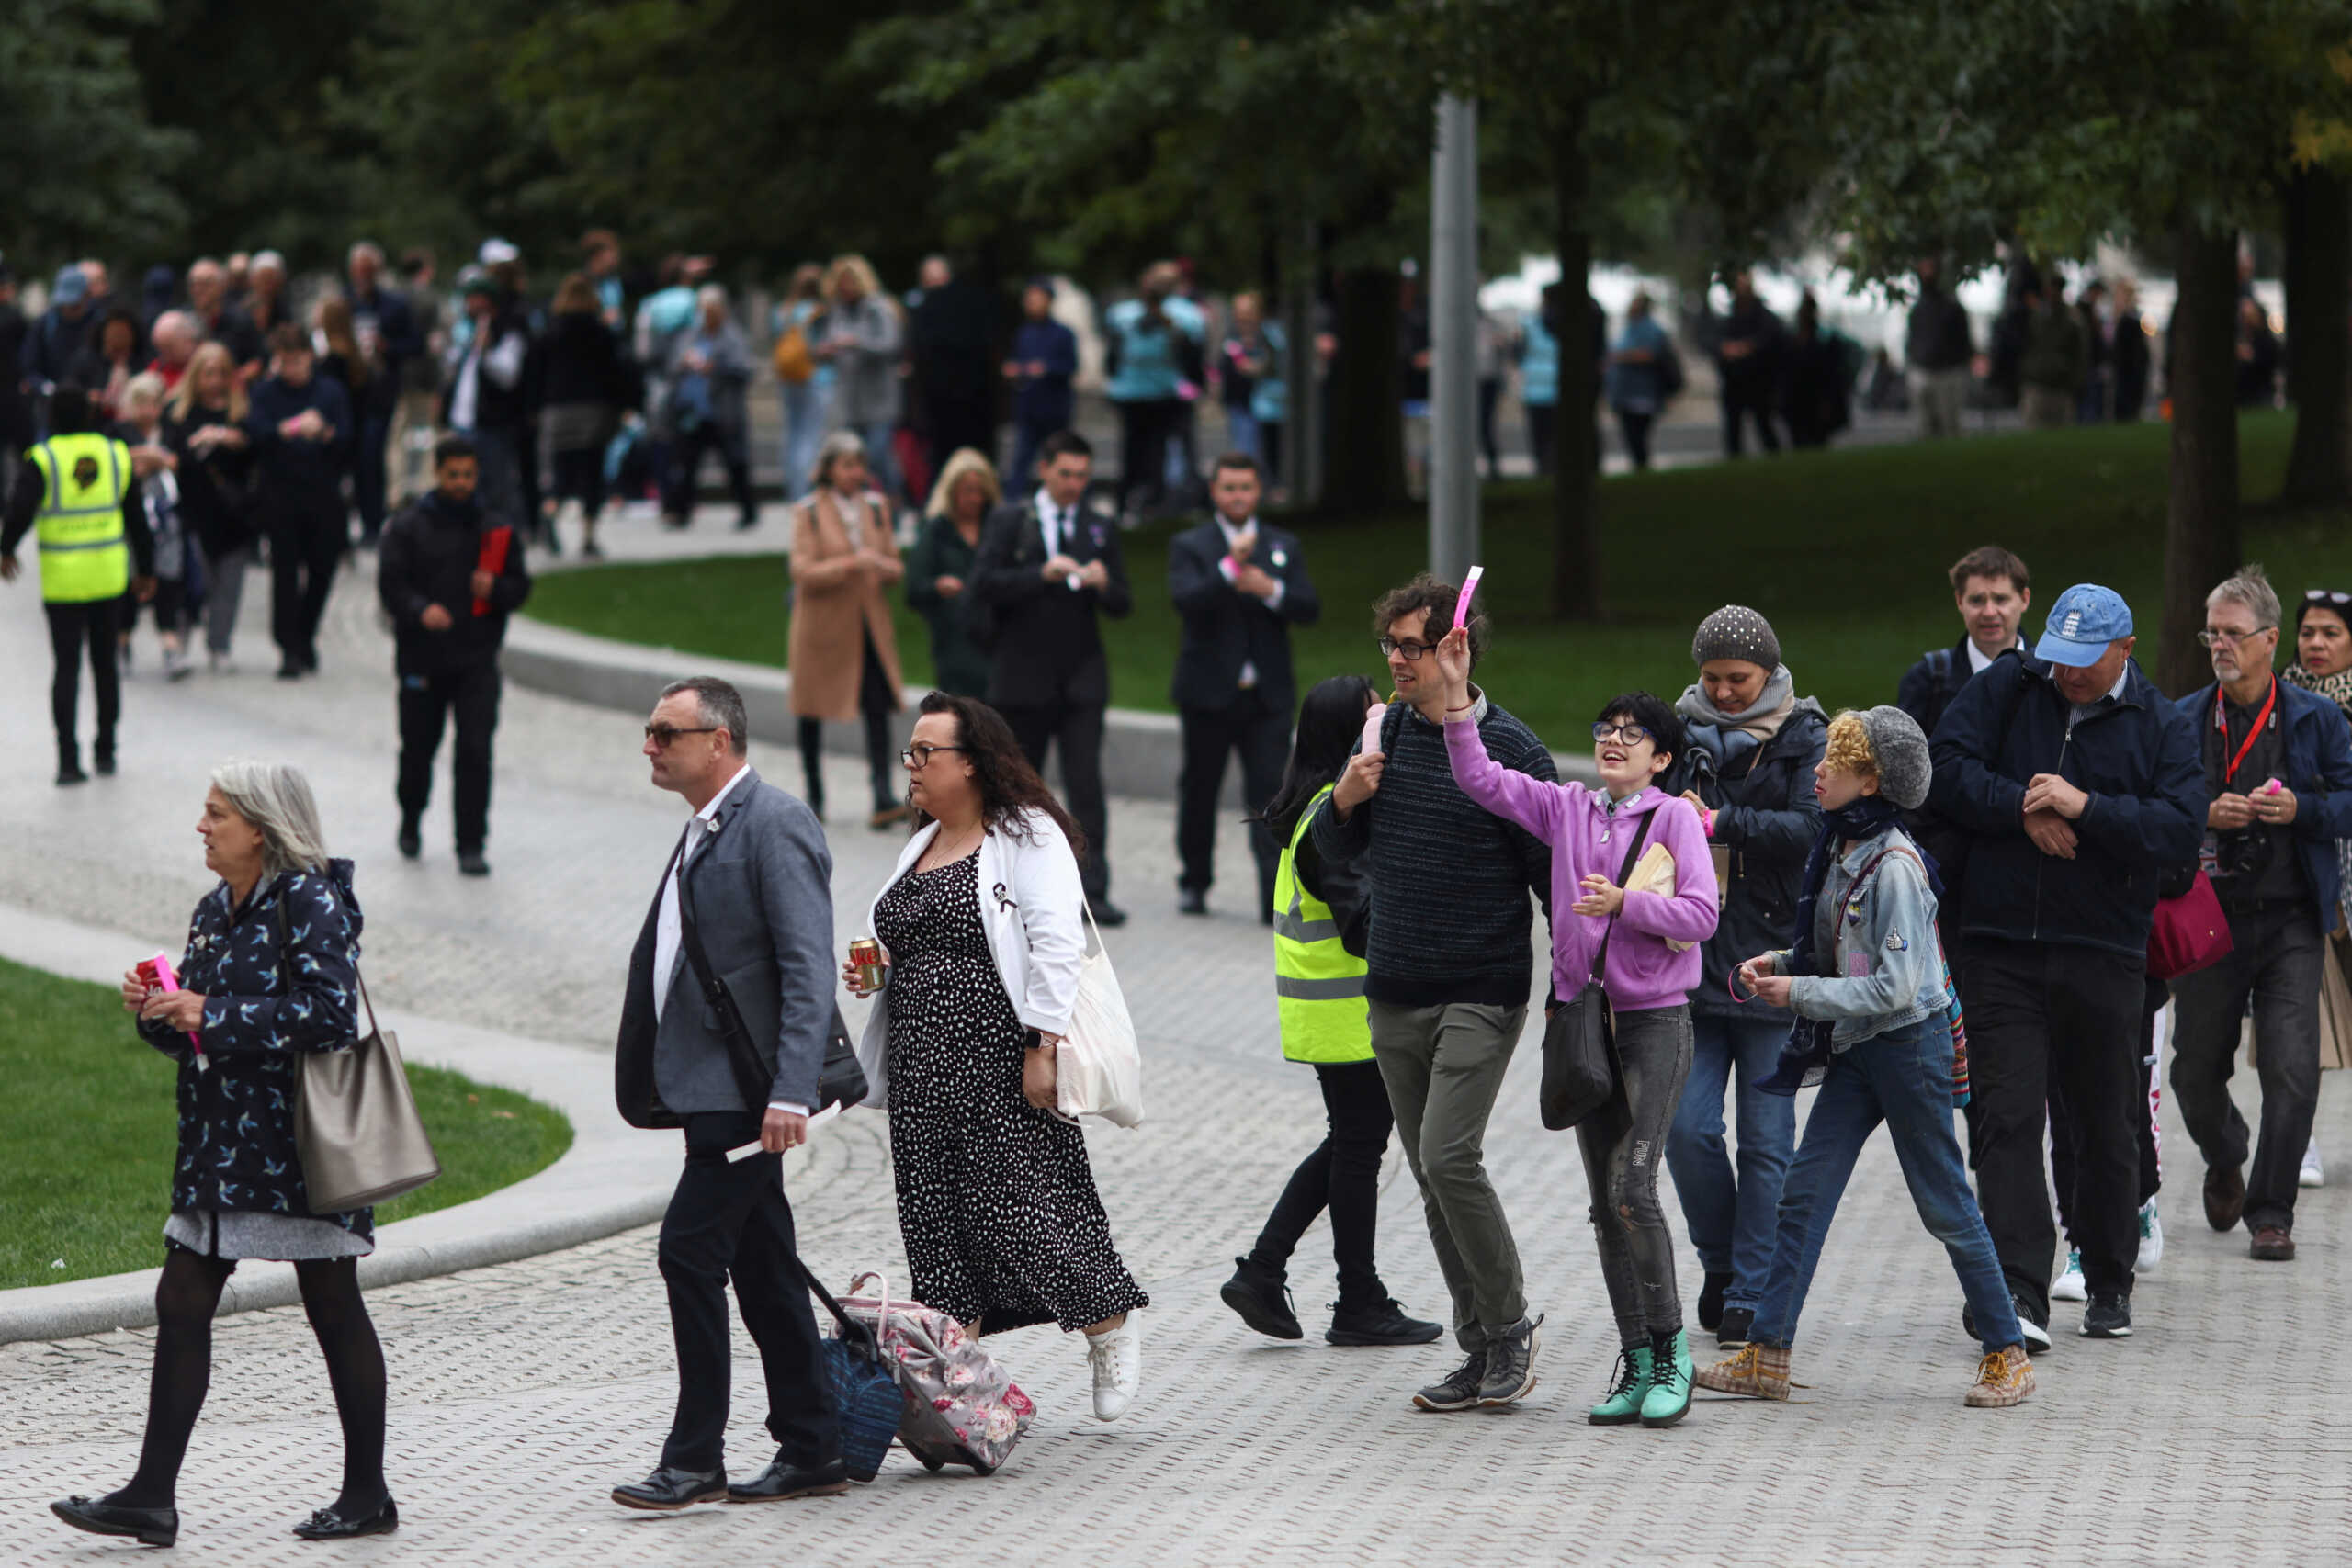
(2327, 596)
(662, 735)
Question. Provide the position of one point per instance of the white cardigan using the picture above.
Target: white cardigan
(1034, 911)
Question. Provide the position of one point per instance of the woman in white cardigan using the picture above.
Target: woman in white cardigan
(983, 927)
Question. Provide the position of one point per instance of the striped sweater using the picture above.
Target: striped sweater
(1450, 880)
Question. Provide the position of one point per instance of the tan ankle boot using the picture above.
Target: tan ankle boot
(2003, 1378)
(1759, 1371)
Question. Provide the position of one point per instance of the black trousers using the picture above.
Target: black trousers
(1747, 400)
(1077, 729)
(1143, 429)
(71, 626)
(303, 551)
(426, 703)
(1261, 733)
(729, 1220)
(2062, 1153)
(874, 706)
(1342, 1175)
(1635, 428)
(579, 476)
(685, 466)
(2039, 1011)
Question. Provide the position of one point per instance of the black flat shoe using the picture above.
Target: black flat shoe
(783, 1480)
(666, 1490)
(326, 1524)
(152, 1527)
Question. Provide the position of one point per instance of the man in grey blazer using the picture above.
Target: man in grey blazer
(753, 879)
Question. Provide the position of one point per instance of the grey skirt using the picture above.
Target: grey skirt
(242, 1233)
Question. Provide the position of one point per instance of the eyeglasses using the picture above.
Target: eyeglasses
(921, 756)
(663, 734)
(2212, 638)
(1630, 734)
(1413, 651)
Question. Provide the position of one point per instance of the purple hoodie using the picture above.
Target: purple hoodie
(1643, 971)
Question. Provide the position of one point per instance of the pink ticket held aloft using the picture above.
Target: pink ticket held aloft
(1372, 717)
(1469, 587)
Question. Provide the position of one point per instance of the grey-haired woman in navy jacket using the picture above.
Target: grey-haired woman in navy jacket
(270, 972)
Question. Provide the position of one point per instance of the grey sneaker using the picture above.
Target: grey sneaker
(1511, 1365)
(1459, 1389)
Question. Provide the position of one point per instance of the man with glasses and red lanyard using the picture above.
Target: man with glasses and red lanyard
(2278, 764)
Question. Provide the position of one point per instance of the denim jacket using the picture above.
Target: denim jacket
(1883, 968)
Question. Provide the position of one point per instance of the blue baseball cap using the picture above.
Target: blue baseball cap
(2085, 618)
(71, 287)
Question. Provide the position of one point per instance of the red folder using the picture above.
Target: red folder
(494, 546)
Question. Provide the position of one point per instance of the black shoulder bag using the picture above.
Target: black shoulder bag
(840, 1081)
(1580, 1073)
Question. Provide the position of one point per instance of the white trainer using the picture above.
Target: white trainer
(2313, 1174)
(2069, 1286)
(1116, 1358)
(2151, 1238)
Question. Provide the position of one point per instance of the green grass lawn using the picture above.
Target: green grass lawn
(1843, 551)
(88, 1129)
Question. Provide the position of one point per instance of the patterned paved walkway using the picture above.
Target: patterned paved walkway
(522, 1393)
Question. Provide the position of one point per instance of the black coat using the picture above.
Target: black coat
(1044, 641)
(1766, 817)
(580, 363)
(217, 489)
(1225, 628)
(427, 558)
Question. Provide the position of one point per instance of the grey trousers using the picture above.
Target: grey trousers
(2275, 960)
(1621, 1150)
(224, 590)
(1443, 1067)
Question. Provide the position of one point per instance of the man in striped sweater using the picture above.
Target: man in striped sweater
(1450, 952)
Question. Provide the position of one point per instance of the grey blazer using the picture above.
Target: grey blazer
(762, 888)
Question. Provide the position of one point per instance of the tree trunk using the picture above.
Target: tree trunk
(2201, 519)
(2319, 325)
(1367, 469)
(1576, 469)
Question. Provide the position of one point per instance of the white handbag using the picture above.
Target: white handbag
(1098, 1070)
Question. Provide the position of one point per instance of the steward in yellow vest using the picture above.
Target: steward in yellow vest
(77, 493)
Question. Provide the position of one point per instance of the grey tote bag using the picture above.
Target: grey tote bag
(355, 1126)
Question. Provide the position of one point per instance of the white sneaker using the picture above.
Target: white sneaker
(2069, 1286)
(2151, 1238)
(1116, 1358)
(2312, 1175)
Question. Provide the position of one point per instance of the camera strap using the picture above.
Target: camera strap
(2221, 723)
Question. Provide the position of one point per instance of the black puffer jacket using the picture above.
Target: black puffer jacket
(1766, 817)
(429, 557)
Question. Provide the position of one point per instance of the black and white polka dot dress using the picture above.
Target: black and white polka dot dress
(996, 1199)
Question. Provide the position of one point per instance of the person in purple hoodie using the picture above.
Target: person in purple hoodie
(1642, 921)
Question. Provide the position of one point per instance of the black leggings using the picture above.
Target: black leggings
(1621, 1146)
(70, 626)
(875, 707)
(186, 1299)
(1342, 1175)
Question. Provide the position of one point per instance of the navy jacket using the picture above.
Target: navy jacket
(2319, 770)
(2136, 757)
(1225, 628)
(300, 478)
(1766, 817)
(1043, 402)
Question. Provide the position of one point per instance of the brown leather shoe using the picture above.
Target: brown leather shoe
(2225, 1196)
(2273, 1244)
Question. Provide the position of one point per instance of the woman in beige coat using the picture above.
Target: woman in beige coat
(843, 653)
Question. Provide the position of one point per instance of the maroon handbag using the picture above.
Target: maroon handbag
(2190, 932)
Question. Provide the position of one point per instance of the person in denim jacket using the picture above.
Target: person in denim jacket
(1866, 980)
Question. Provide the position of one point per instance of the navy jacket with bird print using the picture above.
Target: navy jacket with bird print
(237, 1118)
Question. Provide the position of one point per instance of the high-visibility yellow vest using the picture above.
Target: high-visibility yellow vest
(1319, 984)
(84, 555)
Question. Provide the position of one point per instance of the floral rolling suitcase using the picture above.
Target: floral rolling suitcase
(960, 1407)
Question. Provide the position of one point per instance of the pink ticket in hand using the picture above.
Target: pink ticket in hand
(1469, 587)
(1372, 717)
(160, 969)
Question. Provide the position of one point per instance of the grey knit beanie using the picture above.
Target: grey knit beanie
(1900, 748)
(1737, 632)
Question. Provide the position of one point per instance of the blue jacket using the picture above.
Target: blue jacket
(2319, 770)
(2137, 758)
(1043, 402)
(1879, 966)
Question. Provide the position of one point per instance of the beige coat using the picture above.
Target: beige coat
(836, 590)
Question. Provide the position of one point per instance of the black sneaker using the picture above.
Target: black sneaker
(1383, 1322)
(2108, 1317)
(1732, 1332)
(2035, 1330)
(412, 841)
(1257, 1292)
(471, 864)
(1459, 1388)
(1711, 1302)
(1511, 1365)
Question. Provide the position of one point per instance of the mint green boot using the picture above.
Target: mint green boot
(1623, 1405)
(1670, 1393)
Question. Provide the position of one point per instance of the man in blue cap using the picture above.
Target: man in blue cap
(57, 339)
(2076, 781)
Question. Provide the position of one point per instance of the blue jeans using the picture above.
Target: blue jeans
(882, 459)
(1242, 432)
(804, 429)
(1731, 1221)
(1903, 1078)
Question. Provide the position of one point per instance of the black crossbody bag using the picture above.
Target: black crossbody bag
(1581, 1074)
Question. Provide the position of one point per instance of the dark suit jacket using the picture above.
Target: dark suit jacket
(1048, 645)
(1225, 628)
(762, 888)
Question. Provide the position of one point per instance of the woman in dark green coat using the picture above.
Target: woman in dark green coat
(939, 570)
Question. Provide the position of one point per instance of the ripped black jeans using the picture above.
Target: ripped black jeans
(1621, 1154)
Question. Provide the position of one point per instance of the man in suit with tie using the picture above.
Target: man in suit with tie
(1047, 564)
(1240, 586)
(750, 884)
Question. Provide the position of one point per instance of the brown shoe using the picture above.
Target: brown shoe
(2273, 1244)
(2003, 1378)
(2225, 1196)
(887, 817)
(1759, 1371)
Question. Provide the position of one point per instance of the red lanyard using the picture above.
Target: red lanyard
(2221, 723)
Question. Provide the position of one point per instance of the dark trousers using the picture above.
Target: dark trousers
(499, 454)
(426, 703)
(1635, 428)
(1077, 729)
(1542, 428)
(1744, 400)
(71, 626)
(1028, 435)
(2039, 1011)
(2062, 1152)
(1343, 1176)
(1261, 733)
(1490, 391)
(685, 464)
(2274, 961)
(303, 551)
(579, 476)
(1143, 430)
(875, 705)
(729, 1220)
(958, 420)
(367, 474)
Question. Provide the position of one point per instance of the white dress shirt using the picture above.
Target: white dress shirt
(1232, 573)
(1055, 525)
(1979, 660)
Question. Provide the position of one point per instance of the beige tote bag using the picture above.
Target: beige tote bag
(355, 1126)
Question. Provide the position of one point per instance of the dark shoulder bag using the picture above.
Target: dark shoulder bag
(1580, 1073)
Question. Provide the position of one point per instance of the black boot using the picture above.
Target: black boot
(1258, 1294)
(69, 764)
(102, 756)
(1378, 1322)
(1711, 1302)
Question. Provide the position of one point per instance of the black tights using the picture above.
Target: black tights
(186, 1300)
